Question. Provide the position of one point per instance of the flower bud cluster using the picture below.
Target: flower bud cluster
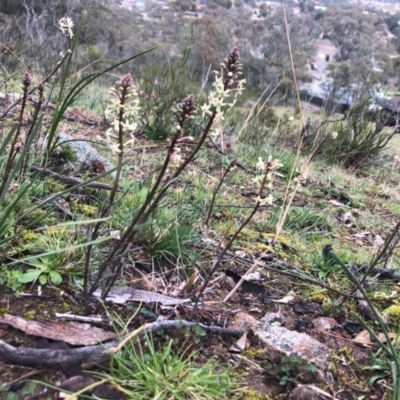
(232, 65)
(26, 81)
(185, 111)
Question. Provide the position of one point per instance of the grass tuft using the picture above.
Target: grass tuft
(143, 372)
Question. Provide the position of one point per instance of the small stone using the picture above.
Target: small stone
(324, 323)
(254, 277)
(273, 318)
(76, 383)
(243, 321)
(301, 392)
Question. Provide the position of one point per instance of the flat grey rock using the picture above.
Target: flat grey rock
(283, 340)
(84, 152)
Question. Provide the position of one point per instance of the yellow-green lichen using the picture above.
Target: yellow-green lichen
(254, 395)
(258, 354)
(3, 310)
(28, 236)
(89, 211)
(29, 314)
(55, 186)
(393, 312)
(247, 233)
(320, 297)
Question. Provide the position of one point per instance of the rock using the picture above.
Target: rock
(86, 154)
(324, 323)
(243, 321)
(253, 277)
(77, 383)
(282, 340)
(302, 392)
(275, 319)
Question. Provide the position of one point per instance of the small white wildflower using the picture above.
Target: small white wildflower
(66, 25)
(334, 135)
(129, 126)
(268, 201)
(240, 87)
(260, 164)
(258, 180)
(130, 142)
(258, 199)
(205, 110)
(114, 147)
(273, 164)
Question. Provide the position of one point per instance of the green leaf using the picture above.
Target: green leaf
(55, 278)
(43, 279)
(38, 263)
(376, 378)
(29, 276)
(63, 250)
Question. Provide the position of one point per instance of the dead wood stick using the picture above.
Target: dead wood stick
(72, 317)
(383, 273)
(70, 179)
(92, 354)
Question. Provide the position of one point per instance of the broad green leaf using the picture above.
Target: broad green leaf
(55, 277)
(43, 279)
(29, 276)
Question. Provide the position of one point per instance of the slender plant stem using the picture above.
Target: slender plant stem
(229, 245)
(379, 256)
(286, 206)
(390, 350)
(141, 215)
(231, 164)
(12, 152)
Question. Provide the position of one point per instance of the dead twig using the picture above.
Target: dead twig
(97, 353)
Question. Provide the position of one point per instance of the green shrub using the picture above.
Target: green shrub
(357, 140)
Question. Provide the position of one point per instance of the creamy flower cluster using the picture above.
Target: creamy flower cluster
(226, 87)
(264, 178)
(123, 112)
(66, 25)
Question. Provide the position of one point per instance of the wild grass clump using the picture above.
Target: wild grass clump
(358, 139)
(303, 221)
(141, 371)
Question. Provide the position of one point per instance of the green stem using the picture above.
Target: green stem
(229, 245)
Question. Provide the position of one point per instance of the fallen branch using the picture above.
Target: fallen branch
(383, 273)
(93, 354)
(70, 180)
